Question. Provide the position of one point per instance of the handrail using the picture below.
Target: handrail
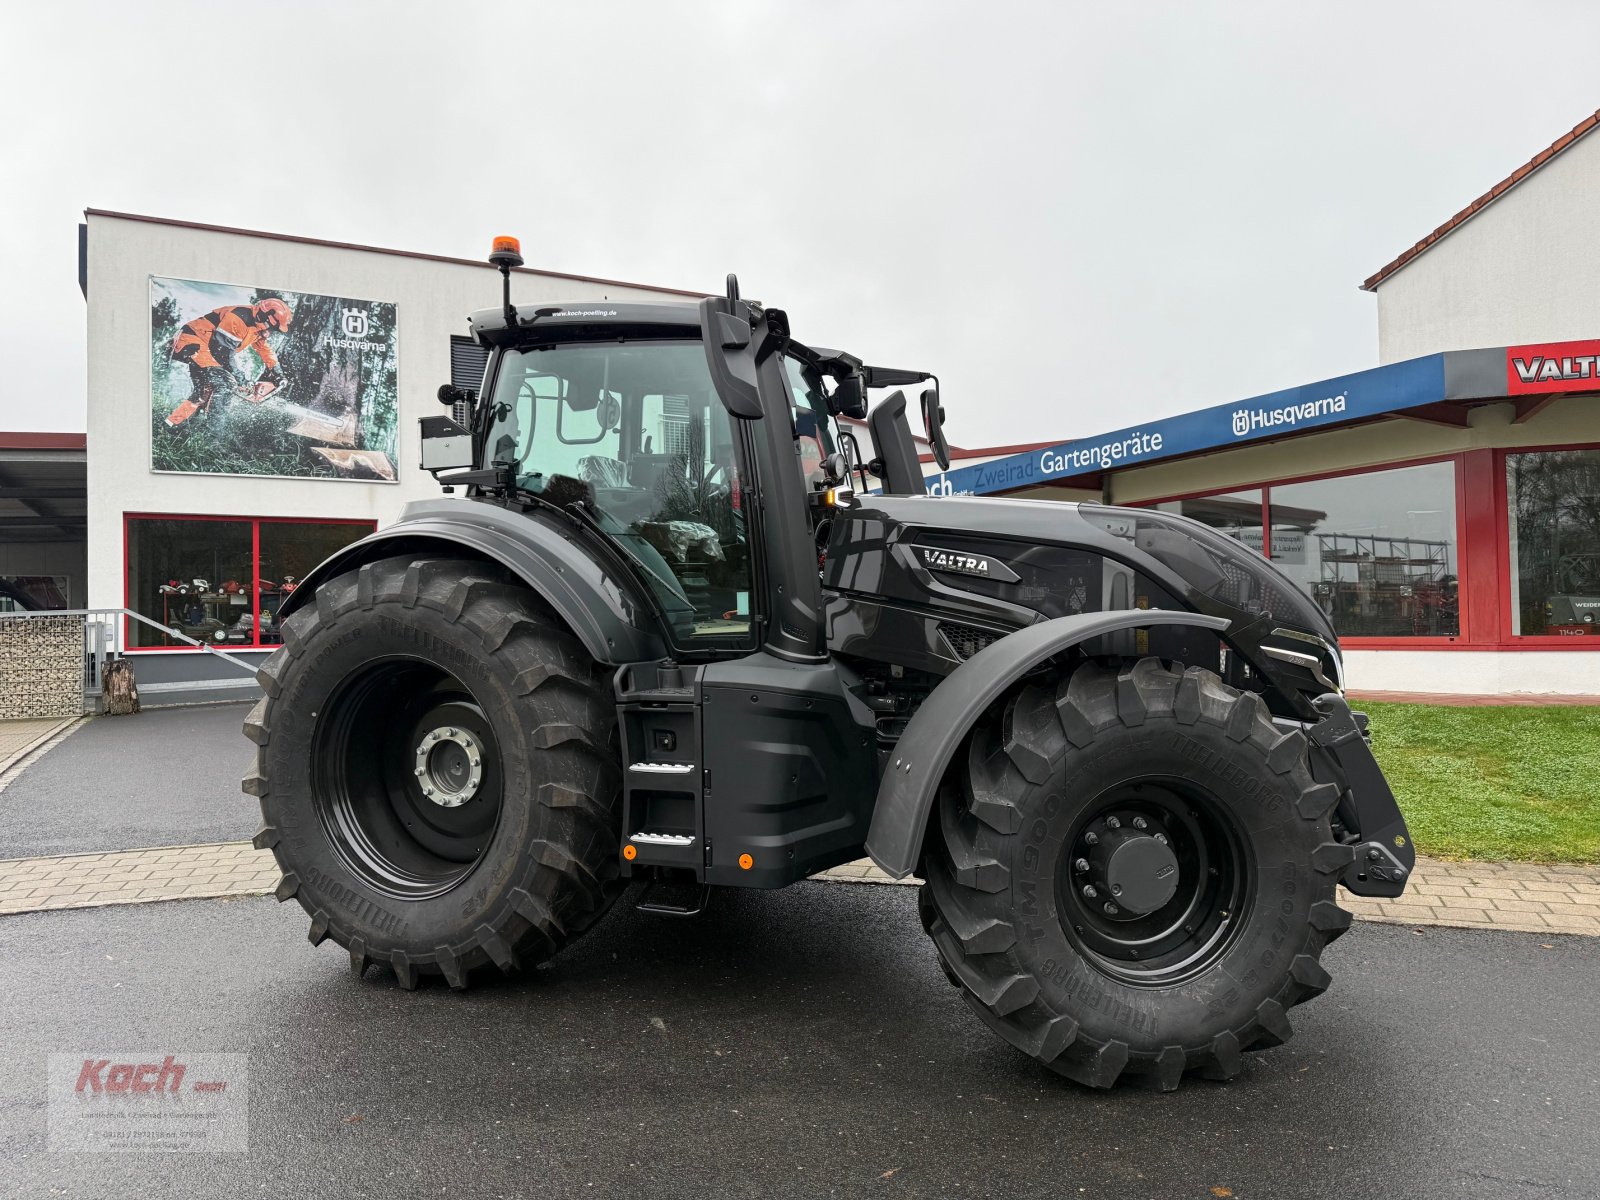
(128, 612)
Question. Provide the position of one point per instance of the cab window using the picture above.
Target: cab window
(635, 431)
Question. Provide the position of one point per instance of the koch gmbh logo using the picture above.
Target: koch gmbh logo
(356, 322)
(1241, 422)
(103, 1103)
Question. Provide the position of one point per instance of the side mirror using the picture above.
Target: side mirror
(849, 398)
(727, 328)
(933, 424)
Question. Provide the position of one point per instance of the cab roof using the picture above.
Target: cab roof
(585, 319)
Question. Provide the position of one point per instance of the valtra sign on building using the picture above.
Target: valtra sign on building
(1562, 367)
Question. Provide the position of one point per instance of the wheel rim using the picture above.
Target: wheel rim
(406, 777)
(1153, 885)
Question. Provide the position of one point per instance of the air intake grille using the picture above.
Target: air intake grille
(966, 640)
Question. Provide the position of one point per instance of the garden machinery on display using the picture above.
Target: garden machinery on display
(662, 633)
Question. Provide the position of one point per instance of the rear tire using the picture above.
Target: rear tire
(437, 767)
(1229, 908)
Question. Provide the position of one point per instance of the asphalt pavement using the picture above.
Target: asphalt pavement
(799, 1043)
(162, 777)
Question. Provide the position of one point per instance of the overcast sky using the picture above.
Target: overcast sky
(1079, 215)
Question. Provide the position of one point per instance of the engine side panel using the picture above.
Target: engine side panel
(928, 598)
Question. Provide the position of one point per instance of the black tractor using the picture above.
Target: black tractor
(665, 632)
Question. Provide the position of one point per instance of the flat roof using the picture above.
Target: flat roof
(1437, 388)
(443, 258)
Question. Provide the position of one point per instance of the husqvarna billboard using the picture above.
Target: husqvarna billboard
(263, 381)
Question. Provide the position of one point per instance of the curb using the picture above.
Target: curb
(1512, 897)
(19, 760)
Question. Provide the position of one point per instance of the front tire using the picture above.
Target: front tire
(438, 772)
(1134, 874)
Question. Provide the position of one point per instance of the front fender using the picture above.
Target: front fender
(941, 724)
(599, 607)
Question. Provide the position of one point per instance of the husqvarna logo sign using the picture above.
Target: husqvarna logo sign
(1249, 420)
(356, 322)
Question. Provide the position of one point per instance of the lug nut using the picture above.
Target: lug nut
(1091, 838)
(1088, 891)
(1111, 909)
(1140, 823)
(1081, 865)
(1113, 823)
(1162, 838)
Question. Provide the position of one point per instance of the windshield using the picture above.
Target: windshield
(813, 423)
(636, 432)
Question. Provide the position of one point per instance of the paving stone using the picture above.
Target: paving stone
(1521, 906)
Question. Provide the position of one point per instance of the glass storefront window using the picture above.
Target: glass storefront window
(1553, 502)
(289, 550)
(202, 577)
(1377, 550)
(1236, 514)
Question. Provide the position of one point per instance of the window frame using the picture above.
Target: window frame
(1507, 640)
(366, 524)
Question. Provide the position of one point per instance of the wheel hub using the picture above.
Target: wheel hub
(1138, 871)
(449, 765)
(1127, 866)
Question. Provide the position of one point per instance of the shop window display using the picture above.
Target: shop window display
(1376, 550)
(220, 581)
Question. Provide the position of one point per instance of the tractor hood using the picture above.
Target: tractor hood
(1037, 556)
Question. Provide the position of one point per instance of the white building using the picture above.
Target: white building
(244, 495)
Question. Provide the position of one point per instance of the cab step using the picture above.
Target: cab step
(663, 821)
(675, 898)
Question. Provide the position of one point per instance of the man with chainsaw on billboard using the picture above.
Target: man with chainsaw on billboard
(207, 345)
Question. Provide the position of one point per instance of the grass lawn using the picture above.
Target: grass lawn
(1494, 783)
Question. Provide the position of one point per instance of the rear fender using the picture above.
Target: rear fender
(941, 724)
(596, 604)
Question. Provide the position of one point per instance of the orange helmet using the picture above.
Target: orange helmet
(275, 313)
